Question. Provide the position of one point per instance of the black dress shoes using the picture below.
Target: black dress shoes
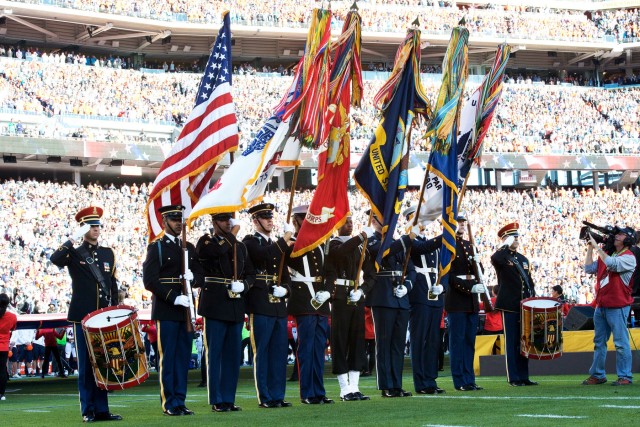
(516, 383)
(477, 387)
(402, 393)
(311, 401)
(389, 393)
(107, 416)
(268, 405)
(529, 382)
(431, 390)
(220, 407)
(349, 397)
(325, 400)
(361, 396)
(88, 418)
(232, 407)
(185, 410)
(173, 412)
(467, 387)
(283, 404)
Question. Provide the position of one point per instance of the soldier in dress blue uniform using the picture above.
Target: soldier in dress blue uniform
(389, 302)
(267, 307)
(228, 275)
(348, 346)
(514, 277)
(427, 302)
(92, 289)
(161, 274)
(462, 307)
(307, 284)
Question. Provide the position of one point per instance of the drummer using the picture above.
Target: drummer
(94, 285)
(514, 278)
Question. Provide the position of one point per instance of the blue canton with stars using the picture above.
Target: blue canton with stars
(218, 70)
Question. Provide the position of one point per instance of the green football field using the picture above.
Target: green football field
(557, 401)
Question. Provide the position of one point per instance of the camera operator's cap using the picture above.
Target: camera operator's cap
(629, 232)
(222, 216)
(90, 215)
(509, 230)
(262, 210)
(409, 212)
(300, 210)
(171, 211)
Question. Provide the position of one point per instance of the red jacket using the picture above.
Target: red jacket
(615, 294)
(8, 323)
(50, 336)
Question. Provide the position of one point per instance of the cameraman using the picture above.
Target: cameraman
(613, 302)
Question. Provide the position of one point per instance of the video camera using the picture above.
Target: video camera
(603, 235)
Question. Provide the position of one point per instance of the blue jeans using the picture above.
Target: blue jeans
(607, 321)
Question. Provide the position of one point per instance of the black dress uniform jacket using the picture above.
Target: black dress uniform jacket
(216, 256)
(164, 261)
(300, 298)
(513, 288)
(86, 289)
(265, 256)
(459, 297)
(378, 287)
(342, 263)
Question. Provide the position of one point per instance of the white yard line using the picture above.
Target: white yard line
(550, 416)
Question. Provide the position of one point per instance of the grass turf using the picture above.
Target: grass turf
(558, 401)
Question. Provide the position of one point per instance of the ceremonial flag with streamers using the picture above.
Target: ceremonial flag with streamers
(330, 204)
(475, 120)
(442, 132)
(277, 142)
(381, 174)
(210, 132)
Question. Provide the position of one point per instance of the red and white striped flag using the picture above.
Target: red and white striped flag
(210, 132)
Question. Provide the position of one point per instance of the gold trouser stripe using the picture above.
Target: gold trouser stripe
(255, 354)
(160, 364)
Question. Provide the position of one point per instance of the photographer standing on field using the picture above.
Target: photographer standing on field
(613, 302)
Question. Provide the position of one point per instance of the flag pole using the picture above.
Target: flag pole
(292, 192)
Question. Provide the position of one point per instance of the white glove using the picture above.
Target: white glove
(237, 286)
(369, 231)
(234, 222)
(288, 228)
(79, 233)
(437, 289)
(400, 291)
(508, 241)
(355, 295)
(279, 291)
(182, 300)
(478, 288)
(188, 276)
(416, 230)
(476, 258)
(322, 296)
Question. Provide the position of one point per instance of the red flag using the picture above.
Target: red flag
(210, 132)
(330, 204)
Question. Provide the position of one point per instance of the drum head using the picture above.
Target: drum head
(540, 303)
(107, 318)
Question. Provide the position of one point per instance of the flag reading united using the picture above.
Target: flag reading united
(210, 132)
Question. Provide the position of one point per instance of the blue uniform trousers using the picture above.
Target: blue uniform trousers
(313, 331)
(92, 399)
(517, 364)
(463, 328)
(269, 343)
(223, 346)
(390, 328)
(174, 348)
(424, 334)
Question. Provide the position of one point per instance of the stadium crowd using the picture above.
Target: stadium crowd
(569, 119)
(437, 17)
(39, 215)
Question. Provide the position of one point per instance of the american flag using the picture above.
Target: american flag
(210, 132)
